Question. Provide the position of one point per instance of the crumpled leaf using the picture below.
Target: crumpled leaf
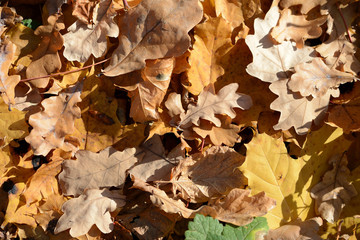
(84, 10)
(96, 170)
(270, 62)
(209, 104)
(150, 92)
(212, 42)
(334, 191)
(93, 207)
(204, 176)
(152, 36)
(306, 230)
(306, 109)
(43, 183)
(316, 78)
(45, 58)
(8, 18)
(92, 37)
(51, 125)
(297, 28)
(7, 83)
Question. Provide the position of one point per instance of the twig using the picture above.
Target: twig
(342, 17)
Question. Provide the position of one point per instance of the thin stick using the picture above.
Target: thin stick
(64, 73)
(342, 17)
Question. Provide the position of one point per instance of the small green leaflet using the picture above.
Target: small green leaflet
(207, 228)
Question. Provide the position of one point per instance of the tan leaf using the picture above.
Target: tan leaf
(297, 111)
(306, 6)
(174, 105)
(209, 104)
(316, 78)
(238, 207)
(7, 83)
(84, 10)
(271, 62)
(26, 97)
(212, 42)
(150, 92)
(92, 207)
(8, 18)
(226, 134)
(204, 176)
(334, 191)
(82, 40)
(96, 170)
(297, 230)
(45, 58)
(156, 165)
(297, 28)
(51, 125)
(43, 183)
(151, 30)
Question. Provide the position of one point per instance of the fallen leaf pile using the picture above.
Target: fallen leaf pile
(173, 119)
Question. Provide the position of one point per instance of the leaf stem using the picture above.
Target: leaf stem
(342, 17)
(64, 73)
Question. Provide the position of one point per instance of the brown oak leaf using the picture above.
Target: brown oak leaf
(297, 230)
(316, 78)
(334, 191)
(205, 176)
(150, 92)
(92, 207)
(45, 58)
(96, 170)
(83, 39)
(51, 125)
(152, 30)
(209, 104)
(84, 10)
(7, 83)
(297, 28)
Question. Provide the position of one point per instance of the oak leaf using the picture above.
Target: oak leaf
(96, 170)
(316, 78)
(212, 42)
(7, 83)
(297, 28)
(150, 92)
(271, 62)
(92, 207)
(92, 37)
(209, 104)
(51, 125)
(305, 6)
(151, 30)
(297, 230)
(334, 191)
(45, 58)
(84, 10)
(298, 111)
(205, 176)
(43, 183)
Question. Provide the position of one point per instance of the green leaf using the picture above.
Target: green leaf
(207, 228)
(30, 23)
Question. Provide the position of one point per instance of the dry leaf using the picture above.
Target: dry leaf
(209, 104)
(96, 170)
(45, 58)
(84, 10)
(204, 176)
(150, 92)
(43, 183)
(212, 42)
(7, 83)
(151, 30)
(316, 78)
(334, 191)
(306, 230)
(306, 6)
(83, 39)
(93, 207)
(297, 28)
(271, 62)
(51, 125)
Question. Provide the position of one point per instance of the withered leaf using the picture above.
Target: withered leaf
(334, 191)
(96, 170)
(92, 207)
(151, 30)
(205, 176)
